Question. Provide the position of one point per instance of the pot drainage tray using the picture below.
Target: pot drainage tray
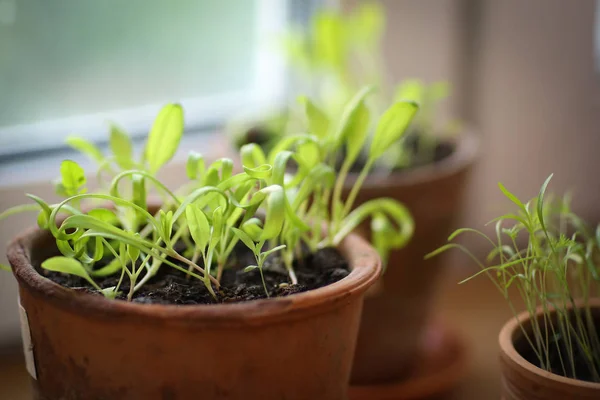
(441, 366)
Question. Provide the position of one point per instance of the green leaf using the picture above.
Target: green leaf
(250, 268)
(318, 122)
(211, 178)
(133, 253)
(358, 128)
(139, 192)
(224, 166)
(275, 212)
(308, 154)
(111, 268)
(201, 195)
(72, 178)
(352, 113)
(110, 292)
(512, 197)
(252, 155)
(98, 249)
(104, 214)
(289, 142)
(5, 267)
(18, 209)
(86, 147)
(198, 226)
(321, 175)
(540, 201)
(440, 250)
(68, 266)
(217, 226)
(195, 165)
(137, 177)
(392, 209)
(44, 215)
(166, 222)
(382, 234)
(391, 127)
(165, 136)
(329, 40)
(121, 146)
(123, 256)
(280, 167)
(261, 172)
(99, 228)
(410, 89)
(243, 236)
(253, 227)
(267, 253)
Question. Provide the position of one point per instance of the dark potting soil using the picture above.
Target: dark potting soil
(582, 370)
(170, 286)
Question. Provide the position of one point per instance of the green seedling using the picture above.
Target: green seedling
(351, 133)
(341, 52)
(261, 256)
(280, 202)
(557, 265)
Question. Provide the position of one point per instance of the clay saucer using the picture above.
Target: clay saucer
(439, 369)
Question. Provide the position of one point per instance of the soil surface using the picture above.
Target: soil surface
(170, 286)
(582, 371)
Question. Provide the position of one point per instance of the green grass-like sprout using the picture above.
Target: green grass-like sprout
(555, 270)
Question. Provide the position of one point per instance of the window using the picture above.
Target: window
(71, 66)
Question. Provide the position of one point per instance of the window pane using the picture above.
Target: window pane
(111, 58)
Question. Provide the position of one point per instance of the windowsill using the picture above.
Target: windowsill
(44, 168)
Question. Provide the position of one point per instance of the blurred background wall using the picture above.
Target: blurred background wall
(535, 97)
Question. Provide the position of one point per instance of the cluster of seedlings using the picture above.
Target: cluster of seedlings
(282, 207)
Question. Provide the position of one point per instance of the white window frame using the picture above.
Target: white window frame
(270, 88)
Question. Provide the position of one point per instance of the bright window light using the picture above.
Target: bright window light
(71, 66)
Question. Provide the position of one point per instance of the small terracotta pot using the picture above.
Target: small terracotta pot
(521, 380)
(395, 315)
(83, 346)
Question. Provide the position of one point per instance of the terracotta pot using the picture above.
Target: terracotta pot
(396, 313)
(521, 380)
(83, 346)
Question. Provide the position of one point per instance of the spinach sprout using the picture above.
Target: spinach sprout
(279, 202)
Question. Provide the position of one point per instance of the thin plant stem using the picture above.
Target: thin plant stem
(184, 260)
(357, 186)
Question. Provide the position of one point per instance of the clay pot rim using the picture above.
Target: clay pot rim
(512, 356)
(465, 153)
(363, 260)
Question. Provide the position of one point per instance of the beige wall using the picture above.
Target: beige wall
(524, 77)
(536, 100)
